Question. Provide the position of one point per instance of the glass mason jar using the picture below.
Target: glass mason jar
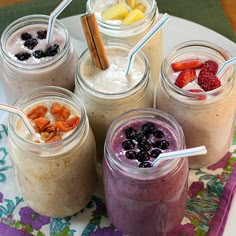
(132, 33)
(18, 77)
(105, 100)
(207, 118)
(144, 201)
(56, 179)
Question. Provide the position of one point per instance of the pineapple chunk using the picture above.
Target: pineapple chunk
(116, 12)
(133, 16)
(131, 3)
(141, 7)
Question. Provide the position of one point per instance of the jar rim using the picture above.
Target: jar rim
(39, 19)
(143, 173)
(46, 92)
(225, 55)
(119, 44)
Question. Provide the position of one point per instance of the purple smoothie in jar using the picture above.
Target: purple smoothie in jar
(144, 201)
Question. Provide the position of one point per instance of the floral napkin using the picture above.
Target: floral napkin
(210, 193)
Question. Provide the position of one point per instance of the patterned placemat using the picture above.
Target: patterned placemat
(209, 196)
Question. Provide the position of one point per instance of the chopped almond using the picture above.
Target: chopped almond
(70, 124)
(41, 123)
(37, 112)
(49, 132)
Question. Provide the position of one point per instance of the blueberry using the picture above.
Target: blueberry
(140, 136)
(155, 153)
(23, 56)
(128, 144)
(148, 128)
(25, 36)
(31, 43)
(130, 154)
(39, 54)
(145, 164)
(157, 133)
(144, 145)
(42, 34)
(53, 50)
(130, 133)
(162, 144)
(142, 156)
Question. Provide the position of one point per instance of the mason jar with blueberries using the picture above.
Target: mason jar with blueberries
(142, 198)
(28, 61)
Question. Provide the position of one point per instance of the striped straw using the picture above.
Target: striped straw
(20, 113)
(57, 11)
(144, 40)
(181, 153)
(225, 67)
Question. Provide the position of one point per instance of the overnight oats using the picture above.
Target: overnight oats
(55, 167)
(203, 104)
(130, 21)
(108, 93)
(142, 199)
(28, 61)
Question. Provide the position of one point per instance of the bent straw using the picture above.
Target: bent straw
(20, 113)
(180, 153)
(225, 67)
(144, 40)
(57, 11)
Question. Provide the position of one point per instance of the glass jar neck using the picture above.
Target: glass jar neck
(215, 52)
(50, 149)
(34, 20)
(133, 172)
(120, 31)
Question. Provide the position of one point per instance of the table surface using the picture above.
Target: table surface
(229, 7)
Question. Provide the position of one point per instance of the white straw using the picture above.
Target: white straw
(57, 11)
(180, 153)
(144, 40)
(21, 114)
(225, 67)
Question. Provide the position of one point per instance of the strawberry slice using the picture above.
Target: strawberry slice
(209, 82)
(185, 77)
(187, 64)
(209, 68)
(198, 97)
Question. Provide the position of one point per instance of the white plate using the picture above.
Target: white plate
(177, 30)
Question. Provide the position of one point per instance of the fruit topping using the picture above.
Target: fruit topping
(116, 12)
(144, 142)
(131, 3)
(142, 156)
(37, 112)
(25, 36)
(130, 154)
(42, 34)
(23, 56)
(128, 144)
(50, 131)
(141, 7)
(39, 54)
(209, 68)
(52, 50)
(31, 43)
(133, 16)
(184, 77)
(187, 64)
(209, 83)
(145, 164)
(130, 133)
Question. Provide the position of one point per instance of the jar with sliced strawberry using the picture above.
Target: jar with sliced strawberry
(55, 167)
(202, 103)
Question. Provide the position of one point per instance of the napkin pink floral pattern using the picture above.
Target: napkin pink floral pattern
(209, 196)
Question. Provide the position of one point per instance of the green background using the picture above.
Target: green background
(205, 12)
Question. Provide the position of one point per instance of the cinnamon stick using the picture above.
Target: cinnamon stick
(94, 41)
